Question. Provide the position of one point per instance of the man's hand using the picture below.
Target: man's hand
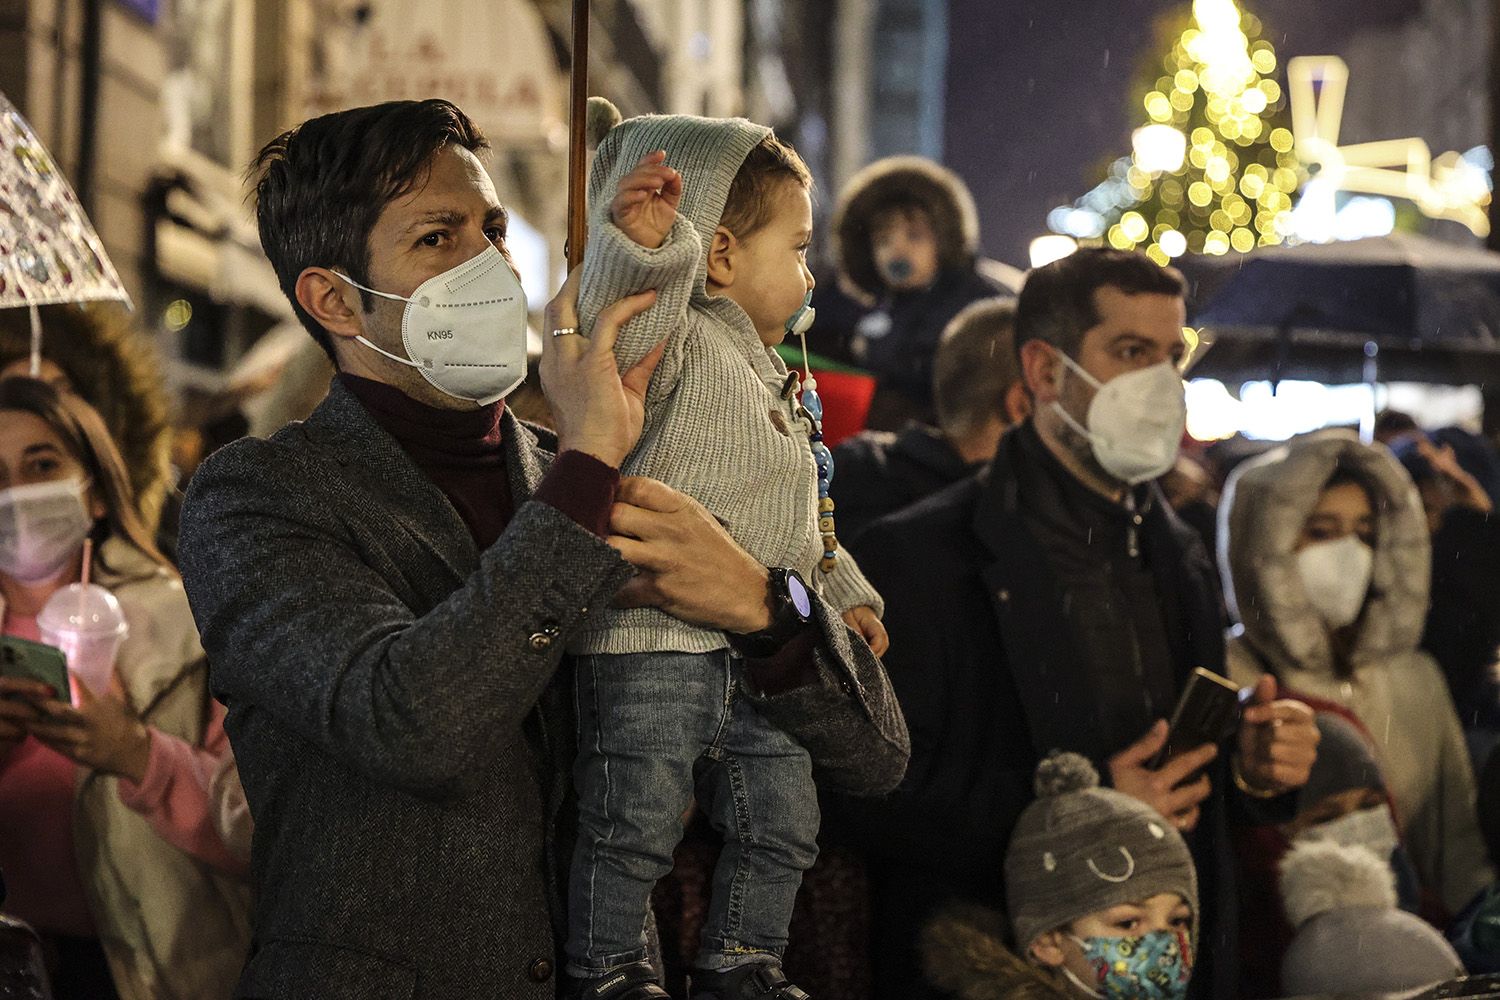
(1278, 741)
(1160, 789)
(594, 409)
(101, 733)
(645, 204)
(18, 700)
(864, 621)
(689, 566)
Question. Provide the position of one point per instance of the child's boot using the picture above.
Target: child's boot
(636, 981)
(755, 981)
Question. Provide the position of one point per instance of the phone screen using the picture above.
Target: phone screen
(35, 661)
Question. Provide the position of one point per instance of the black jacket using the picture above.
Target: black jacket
(983, 665)
(877, 473)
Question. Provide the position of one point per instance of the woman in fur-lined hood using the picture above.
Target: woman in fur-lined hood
(1325, 556)
(108, 361)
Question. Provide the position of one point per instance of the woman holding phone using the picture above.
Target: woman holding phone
(1325, 555)
(123, 830)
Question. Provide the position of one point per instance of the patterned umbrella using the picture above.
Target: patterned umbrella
(49, 252)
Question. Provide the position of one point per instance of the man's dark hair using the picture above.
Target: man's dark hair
(1057, 302)
(320, 187)
(975, 365)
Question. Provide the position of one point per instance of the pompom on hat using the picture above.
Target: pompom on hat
(1351, 938)
(1079, 849)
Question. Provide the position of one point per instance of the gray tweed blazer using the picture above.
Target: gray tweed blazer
(403, 734)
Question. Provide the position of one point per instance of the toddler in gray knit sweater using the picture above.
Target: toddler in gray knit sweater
(715, 215)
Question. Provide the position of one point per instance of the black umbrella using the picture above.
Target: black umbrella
(1398, 308)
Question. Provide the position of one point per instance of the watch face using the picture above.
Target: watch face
(797, 591)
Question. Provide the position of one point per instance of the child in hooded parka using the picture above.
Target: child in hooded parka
(906, 239)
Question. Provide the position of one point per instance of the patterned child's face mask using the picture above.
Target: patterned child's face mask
(1155, 966)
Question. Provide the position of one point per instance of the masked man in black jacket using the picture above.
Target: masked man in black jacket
(1055, 602)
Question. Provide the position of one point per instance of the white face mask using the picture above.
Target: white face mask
(42, 527)
(465, 330)
(1370, 828)
(1336, 576)
(1135, 422)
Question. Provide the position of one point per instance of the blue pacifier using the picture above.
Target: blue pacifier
(802, 319)
(898, 270)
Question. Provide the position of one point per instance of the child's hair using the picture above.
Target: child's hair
(901, 205)
(769, 164)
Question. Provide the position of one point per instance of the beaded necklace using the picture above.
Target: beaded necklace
(810, 414)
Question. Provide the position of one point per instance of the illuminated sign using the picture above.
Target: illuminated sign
(1452, 186)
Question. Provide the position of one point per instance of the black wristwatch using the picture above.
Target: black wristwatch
(791, 610)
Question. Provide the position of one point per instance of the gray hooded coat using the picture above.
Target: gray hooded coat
(1394, 688)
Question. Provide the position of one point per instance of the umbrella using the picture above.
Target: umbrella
(49, 252)
(1396, 308)
(578, 97)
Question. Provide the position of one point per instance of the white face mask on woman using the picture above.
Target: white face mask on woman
(1135, 422)
(1336, 576)
(42, 527)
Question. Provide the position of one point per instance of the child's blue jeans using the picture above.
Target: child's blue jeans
(654, 729)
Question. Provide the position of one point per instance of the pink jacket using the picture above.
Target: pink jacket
(192, 798)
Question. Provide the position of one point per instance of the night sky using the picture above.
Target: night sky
(1039, 92)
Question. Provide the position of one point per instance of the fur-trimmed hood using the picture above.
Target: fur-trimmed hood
(964, 953)
(902, 179)
(1265, 505)
(116, 369)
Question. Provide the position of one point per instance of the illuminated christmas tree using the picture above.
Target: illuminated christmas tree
(1212, 167)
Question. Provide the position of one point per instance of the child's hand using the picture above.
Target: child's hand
(645, 204)
(862, 620)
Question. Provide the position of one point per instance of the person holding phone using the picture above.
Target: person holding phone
(123, 830)
(1325, 558)
(1054, 601)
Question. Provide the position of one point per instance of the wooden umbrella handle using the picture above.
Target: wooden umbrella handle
(578, 98)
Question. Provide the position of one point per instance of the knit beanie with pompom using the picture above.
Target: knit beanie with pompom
(1350, 937)
(1079, 849)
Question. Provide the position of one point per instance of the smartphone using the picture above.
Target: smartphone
(37, 662)
(1207, 712)
(1469, 986)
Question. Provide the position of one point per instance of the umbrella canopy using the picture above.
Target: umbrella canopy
(1398, 307)
(49, 252)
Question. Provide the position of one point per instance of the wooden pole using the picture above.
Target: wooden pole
(577, 138)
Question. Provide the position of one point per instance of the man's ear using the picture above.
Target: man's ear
(1042, 371)
(1047, 950)
(722, 251)
(330, 300)
(1017, 403)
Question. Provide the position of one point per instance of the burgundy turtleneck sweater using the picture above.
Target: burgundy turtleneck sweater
(461, 452)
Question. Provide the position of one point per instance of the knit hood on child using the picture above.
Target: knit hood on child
(707, 152)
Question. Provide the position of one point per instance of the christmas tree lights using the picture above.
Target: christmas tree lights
(1213, 167)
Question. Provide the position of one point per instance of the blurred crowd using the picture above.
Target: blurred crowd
(1043, 842)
